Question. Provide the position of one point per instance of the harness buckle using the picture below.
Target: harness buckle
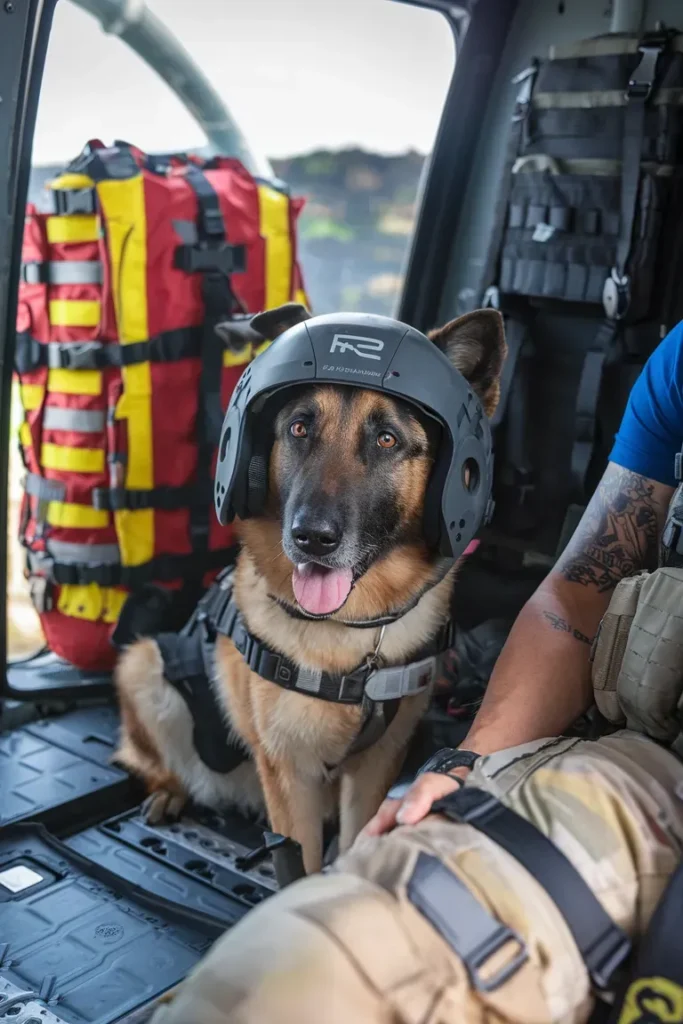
(643, 76)
(403, 681)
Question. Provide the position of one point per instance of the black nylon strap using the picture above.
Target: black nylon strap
(515, 333)
(218, 305)
(172, 346)
(167, 499)
(162, 569)
(516, 463)
(188, 668)
(634, 123)
(657, 980)
(602, 944)
(587, 398)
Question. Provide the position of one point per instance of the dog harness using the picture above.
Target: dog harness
(189, 667)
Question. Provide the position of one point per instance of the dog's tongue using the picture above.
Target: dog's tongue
(321, 591)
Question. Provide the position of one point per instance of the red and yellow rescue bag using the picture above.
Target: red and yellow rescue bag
(124, 381)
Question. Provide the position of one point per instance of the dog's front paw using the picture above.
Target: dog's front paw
(162, 806)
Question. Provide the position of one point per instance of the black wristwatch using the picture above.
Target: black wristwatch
(446, 759)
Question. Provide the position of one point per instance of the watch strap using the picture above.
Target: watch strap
(448, 758)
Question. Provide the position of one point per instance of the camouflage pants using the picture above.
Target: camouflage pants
(348, 946)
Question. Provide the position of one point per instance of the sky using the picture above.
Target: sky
(295, 74)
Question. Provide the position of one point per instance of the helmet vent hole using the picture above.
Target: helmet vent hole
(470, 475)
(458, 538)
(451, 526)
(224, 444)
(308, 362)
(461, 524)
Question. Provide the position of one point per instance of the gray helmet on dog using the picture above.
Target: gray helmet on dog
(367, 351)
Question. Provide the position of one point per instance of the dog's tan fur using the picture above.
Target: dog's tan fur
(293, 737)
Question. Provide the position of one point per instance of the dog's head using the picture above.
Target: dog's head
(348, 475)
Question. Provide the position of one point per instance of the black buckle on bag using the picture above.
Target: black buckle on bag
(74, 201)
(643, 76)
(199, 259)
(28, 354)
(34, 273)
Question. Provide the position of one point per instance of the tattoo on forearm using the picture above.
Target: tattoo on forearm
(561, 624)
(618, 535)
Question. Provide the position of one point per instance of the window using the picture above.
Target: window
(341, 99)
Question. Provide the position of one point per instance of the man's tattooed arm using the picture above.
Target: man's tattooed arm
(618, 534)
(557, 622)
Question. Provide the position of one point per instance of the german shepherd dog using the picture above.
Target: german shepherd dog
(340, 539)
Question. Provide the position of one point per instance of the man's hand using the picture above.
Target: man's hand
(416, 804)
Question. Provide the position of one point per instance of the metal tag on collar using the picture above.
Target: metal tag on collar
(402, 681)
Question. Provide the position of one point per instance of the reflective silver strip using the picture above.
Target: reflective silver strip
(42, 489)
(606, 46)
(604, 98)
(88, 421)
(309, 680)
(83, 554)
(75, 272)
(403, 681)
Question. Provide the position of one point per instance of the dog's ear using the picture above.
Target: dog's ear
(274, 322)
(475, 345)
(236, 334)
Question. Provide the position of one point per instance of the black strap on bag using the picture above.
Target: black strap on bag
(512, 404)
(212, 258)
(517, 472)
(654, 993)
(617, 290)
(602, 944)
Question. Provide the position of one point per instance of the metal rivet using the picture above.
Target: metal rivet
(9, 6)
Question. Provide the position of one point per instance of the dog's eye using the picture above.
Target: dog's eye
(298, 429)
(386, 440)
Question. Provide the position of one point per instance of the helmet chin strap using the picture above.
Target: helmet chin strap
(382, 620)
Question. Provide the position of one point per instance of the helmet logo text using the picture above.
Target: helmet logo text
(360, 346)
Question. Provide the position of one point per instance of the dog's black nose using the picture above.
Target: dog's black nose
(315, 534)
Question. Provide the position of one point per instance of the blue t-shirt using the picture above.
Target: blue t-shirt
(651, 432)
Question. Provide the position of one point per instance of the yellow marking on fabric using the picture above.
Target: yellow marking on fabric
(71, 181)
(123, 206)
(25, 435)
(91, 602)
(31, 396)
(301, 297)
(240, 358)
(72, 460)
(74, 313)
(74, 228)
(275, 230)
(75, 382)
(71, 516)
(652, 999)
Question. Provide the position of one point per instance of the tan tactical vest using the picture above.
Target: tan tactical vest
(638, 657)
